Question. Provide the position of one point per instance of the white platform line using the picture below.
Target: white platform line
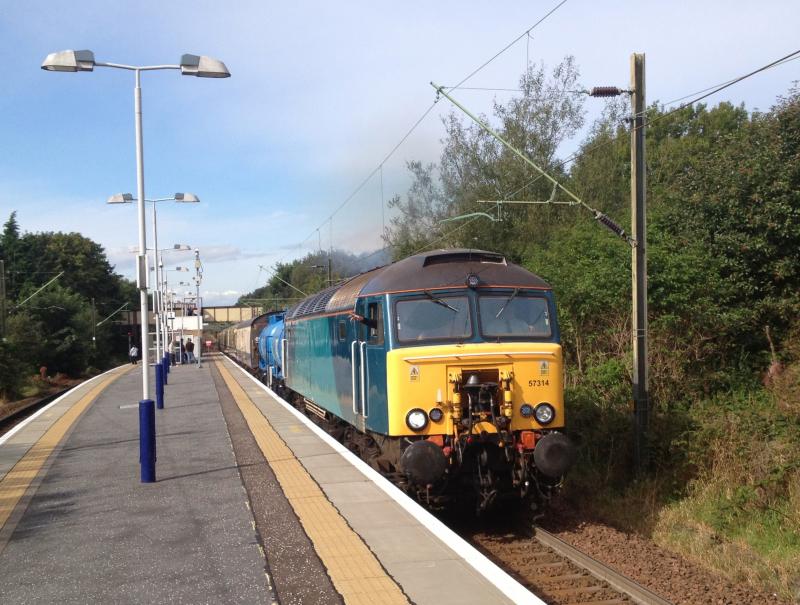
(483, 566)
(33, 417)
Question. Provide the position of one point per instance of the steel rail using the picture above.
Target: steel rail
(14, 411)
(636, 592)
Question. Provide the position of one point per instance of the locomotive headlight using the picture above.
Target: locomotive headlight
(417, 419)
(526, 410)
(544, 413)
(436, 414)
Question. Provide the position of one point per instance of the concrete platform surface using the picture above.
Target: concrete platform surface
(253, 504)
(92, 533)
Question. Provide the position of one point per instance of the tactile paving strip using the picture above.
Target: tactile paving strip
(354, 570)
(17, 481)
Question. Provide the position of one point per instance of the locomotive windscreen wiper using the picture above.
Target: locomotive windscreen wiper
(439, 301)
(510, 298)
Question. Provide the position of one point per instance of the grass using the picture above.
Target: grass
(759, 551)
(725, 489)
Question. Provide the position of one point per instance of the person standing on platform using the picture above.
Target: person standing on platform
(134, 354)
(190, 350)
(173, 353)
(183, 352)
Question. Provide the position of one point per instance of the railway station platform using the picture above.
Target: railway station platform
(252, 504)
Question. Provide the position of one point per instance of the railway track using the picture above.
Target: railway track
(13, 414)
(559, 573)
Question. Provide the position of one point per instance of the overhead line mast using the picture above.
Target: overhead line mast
(638, 242)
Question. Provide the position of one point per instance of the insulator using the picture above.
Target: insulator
(605, 91)
(610, 224)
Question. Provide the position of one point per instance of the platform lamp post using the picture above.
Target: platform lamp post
(180, 283)
(170, 314)
(190, 65)
(162, 285)
(198, 306)
(183, 313)
(182, 198)
(169, 296)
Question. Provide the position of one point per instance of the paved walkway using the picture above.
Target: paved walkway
(92, 533)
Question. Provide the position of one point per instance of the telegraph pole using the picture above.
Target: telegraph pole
(641, 403)
(638, 241)
(94, 326)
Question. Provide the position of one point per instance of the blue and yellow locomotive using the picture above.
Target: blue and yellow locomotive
(443, 370)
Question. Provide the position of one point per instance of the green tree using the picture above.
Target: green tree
(54, 328)
(475, 166)
(310, 275)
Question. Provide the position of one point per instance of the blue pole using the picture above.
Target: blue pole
(164, 371)
(147, 441)
(159, 386)
(166, 362)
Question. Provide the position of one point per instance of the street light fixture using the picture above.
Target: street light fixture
(70, 60)
(190, 65)
(83, 60)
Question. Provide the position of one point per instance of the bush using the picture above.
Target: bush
(12, 372)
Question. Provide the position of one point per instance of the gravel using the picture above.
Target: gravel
(656, 568)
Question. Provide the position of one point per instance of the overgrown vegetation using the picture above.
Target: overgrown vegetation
(54, 327)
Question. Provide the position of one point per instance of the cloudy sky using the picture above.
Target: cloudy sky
(320, 93)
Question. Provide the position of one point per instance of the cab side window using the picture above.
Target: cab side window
(375, 323)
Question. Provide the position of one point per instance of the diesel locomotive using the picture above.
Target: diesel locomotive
(443, 370)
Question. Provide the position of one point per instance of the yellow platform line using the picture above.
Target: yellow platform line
(17, 481)
(355, 572)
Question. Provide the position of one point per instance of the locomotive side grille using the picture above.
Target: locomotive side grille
(313, 304)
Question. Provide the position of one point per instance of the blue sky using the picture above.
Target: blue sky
(319, 94)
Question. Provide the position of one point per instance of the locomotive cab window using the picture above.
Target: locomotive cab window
(342, 330)
(514, 315)
(434, 317)
(375, 323)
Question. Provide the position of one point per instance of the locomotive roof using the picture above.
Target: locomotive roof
(435, 270)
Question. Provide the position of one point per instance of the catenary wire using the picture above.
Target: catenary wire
(420, 120)
(512, 43)
(704, 93)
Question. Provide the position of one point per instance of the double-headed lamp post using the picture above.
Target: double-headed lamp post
(190, 65)
(181, 198)
(198, 278)
(163, 294)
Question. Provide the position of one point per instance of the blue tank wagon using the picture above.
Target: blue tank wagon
(269, 350)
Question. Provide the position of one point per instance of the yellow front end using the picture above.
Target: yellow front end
(433, 377)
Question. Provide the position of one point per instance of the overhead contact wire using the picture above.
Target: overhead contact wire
(512, 43)
(423, 116)
(713, 90)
